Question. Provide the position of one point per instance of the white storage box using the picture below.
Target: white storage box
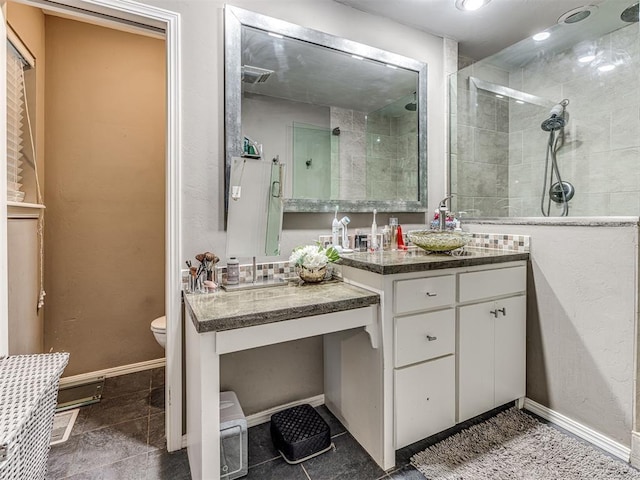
(233, 438)
(28, 392)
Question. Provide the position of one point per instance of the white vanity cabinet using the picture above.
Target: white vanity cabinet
(453, 340)
(491, 340)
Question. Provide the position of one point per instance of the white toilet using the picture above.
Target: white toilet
(159, 329)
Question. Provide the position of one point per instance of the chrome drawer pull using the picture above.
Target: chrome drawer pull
(431, 339)
(429, 294)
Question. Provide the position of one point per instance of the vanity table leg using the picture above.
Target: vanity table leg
(203, 404)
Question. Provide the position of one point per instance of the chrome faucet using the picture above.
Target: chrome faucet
(442, 208)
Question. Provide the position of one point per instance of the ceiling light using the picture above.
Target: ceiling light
(471, 5)
(538, 37)
(606, 67)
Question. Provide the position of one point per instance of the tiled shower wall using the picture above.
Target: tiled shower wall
(498, 148)
(480, 145)
(601, 155)
(375, 158)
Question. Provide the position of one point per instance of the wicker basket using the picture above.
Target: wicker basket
(28, 393)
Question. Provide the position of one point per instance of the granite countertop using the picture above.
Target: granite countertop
(215, 312)
(417, 260)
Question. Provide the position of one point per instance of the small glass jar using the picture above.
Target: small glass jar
(233, 271)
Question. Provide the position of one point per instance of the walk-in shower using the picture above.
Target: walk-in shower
(518, 150)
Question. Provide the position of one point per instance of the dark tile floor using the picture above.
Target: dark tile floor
(122, 438)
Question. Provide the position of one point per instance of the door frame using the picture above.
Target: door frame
(109, 13)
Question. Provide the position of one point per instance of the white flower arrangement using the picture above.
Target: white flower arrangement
(313, 256)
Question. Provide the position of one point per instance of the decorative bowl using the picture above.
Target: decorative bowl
(312, 275)
(438, 241)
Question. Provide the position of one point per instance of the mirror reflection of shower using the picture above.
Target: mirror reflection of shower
(554, 188)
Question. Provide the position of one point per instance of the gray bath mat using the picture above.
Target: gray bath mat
(516, 446)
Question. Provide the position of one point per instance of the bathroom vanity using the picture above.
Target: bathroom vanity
(413, 344)
(453, 332)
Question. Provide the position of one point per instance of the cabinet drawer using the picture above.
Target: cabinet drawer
(424, 293)
(424, 336)
(424, 400)
(492, 283)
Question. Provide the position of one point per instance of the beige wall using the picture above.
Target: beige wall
(105, 150)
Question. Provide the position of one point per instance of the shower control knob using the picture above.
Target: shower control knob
(431, 338)
(429, 294)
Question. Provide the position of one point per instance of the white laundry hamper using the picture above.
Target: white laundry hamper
(28, 393)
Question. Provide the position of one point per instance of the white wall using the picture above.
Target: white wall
(581, 315)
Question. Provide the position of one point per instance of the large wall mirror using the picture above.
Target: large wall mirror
(348, 120)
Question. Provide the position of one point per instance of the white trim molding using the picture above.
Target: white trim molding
(596, 438)
(113, 372)
(635, 449)
(152, 20)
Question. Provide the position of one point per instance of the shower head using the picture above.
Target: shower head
(556, 119)
(412, 106)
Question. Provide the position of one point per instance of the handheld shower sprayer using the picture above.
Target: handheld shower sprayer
(556, 119)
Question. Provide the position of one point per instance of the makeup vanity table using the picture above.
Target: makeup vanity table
(225, 322)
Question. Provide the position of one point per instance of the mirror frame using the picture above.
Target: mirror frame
(235, 19)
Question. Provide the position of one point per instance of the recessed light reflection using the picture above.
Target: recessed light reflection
(276, 35)
(520, 102)
(357, 57)
(538, 37)
(499, 96)
(587, 58)
(392, 66)
(607, 67)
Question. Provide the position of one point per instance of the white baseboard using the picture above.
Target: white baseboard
(113, 372)
(599, 440)
(265, 416)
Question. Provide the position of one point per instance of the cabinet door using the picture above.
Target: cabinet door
(475, 360)
(424, 400)
(510, 348)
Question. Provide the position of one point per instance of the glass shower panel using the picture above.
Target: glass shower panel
(588, 76)
(312, 159)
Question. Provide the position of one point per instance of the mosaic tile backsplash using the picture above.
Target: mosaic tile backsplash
(500, 241)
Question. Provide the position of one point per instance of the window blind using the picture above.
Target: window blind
(15, 114)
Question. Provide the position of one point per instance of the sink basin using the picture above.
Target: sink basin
(438, 241)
